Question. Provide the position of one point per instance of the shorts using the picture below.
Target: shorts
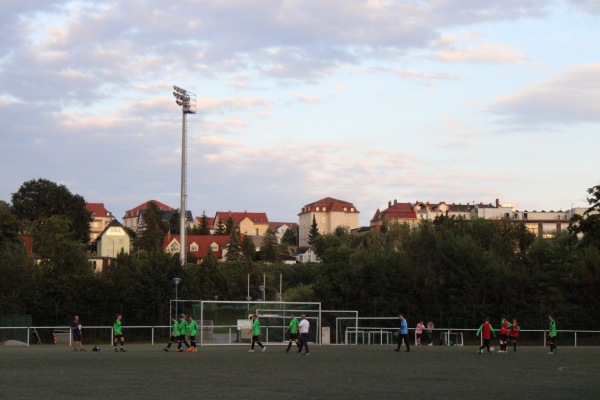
(419, 335)
(551, 339)
(503, 337)
(77, 336)
(293, 336)
(118, 337)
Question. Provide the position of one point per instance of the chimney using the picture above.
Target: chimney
(395, 201)
(497, 203)
(390, 204)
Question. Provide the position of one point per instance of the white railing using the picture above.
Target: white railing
(231, 335)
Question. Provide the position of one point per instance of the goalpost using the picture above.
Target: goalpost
(229, 322)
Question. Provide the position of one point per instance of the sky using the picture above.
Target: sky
(364, 101)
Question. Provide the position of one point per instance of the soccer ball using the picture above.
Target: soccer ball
(96, 348)
(491, 349)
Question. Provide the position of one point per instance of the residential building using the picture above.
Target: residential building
(308, 256)
(210, 221)
(281, 227)
(134, 218)
(101, 218)
(250, 223)
(329, 213)
(198, 245)
(113, 240)
(396, 213)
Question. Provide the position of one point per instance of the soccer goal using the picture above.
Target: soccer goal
(229, 322)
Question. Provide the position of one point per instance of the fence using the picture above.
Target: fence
(230, 335)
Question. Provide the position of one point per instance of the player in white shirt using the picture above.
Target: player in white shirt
(303, 328)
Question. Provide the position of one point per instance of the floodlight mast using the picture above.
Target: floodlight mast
(187, 101)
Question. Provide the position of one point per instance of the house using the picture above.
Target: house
(396, 213)
(308, 256)
(281, 227)
(329, 213)
(198, 245)
(250, 223)
(134, 218)
(113, 240)
(101, 218)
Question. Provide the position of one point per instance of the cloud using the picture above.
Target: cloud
(591, 6)
(424, 77)
(573, 96)
(451, 49)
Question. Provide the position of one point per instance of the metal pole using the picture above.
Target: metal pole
(182, 210)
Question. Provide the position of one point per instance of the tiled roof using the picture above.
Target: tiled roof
(97, 209)
(277, 225)
(330, 204)
(203, 242)
(396, 211)
(135, 212)
(238, 217)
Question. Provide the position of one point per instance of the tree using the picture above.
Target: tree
(204, 229)
(153, 229)
(248, 248)
(37, 200)
(229, 225)
(290, 237)
(588, 224)
(174, 222)
(220, 229)
(234, 249)
(313, 234)
(270, 246)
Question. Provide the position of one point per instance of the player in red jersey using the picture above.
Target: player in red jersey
(513, 333)
(485, 329)
(504, 327)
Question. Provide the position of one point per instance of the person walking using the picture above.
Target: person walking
(403, 333)
(183, 330)
(513, 333)
(76, 330)
(303, 328)
(118, 334)
(256, 334)
(293, 330)
(430, 328)
(485, 330)
(193, 330)
(552, 335)
(174, 333)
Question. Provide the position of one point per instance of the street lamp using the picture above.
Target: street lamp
(176, 281)
(262, 289)
(187, 101)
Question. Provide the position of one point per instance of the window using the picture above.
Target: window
(317, 208)
(194, 247)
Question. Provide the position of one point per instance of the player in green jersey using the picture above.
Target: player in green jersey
(174, 333)
(193, 330)
(183, 330)
(256, 333)
(552, 335)
(118, 333)
(293, 329)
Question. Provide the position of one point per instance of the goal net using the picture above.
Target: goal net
(230, 322)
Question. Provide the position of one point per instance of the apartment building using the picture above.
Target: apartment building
(329, 213)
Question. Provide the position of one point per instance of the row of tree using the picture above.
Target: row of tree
(452, 271)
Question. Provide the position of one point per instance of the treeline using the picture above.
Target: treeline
(452, 271)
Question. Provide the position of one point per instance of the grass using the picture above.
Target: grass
(329, 372)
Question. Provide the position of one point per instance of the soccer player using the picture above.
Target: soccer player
(552, 335)
(76, 329)
(485, 329)
(419, 332)
(193, 330)
(118, 333)
(256, 333)
(513, 334)
(293, 329)
(183, 330)
(403, 333)
(174, 333)
(504, 327)
(303, 327)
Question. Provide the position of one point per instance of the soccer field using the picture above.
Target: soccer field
(329, 372)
